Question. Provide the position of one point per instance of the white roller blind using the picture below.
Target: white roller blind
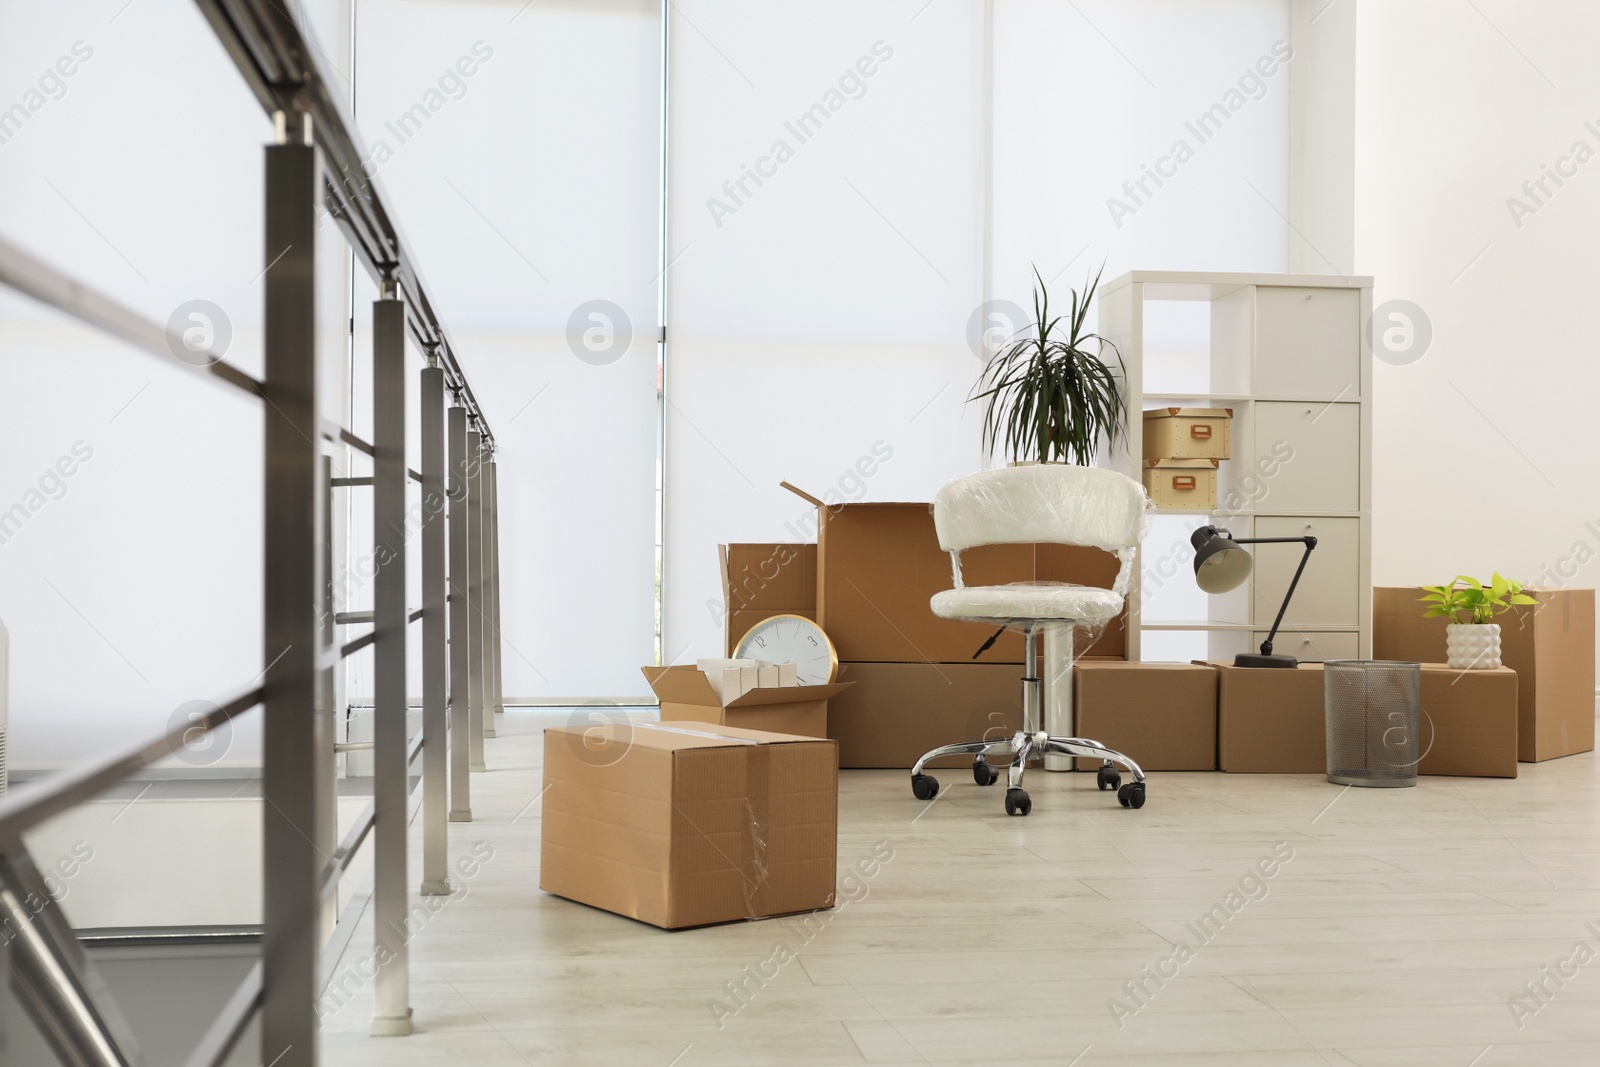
(521, 145)
(826, 247)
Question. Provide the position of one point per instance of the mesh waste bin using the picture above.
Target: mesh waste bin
(1373, 710)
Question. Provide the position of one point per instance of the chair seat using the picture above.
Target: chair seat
(1029, 600)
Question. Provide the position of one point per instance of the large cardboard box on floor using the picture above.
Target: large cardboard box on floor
(1469, 722)
(1163, 716)
(879, 564)
(1550, 645)
(1271, 721)
(687, 694)
(686, 824)
(897, 711)
(763, 580)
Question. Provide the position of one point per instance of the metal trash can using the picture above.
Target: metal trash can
(1373, 711)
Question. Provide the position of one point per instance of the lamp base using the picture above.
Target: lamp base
(1256, 659)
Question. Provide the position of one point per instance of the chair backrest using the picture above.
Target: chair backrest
(1045, 502)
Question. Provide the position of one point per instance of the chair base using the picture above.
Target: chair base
(1025, 745)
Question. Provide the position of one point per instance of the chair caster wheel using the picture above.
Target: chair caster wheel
(1018, 802)
(924, 786)
(1107, 778)
(984, 774)
(1131, 795)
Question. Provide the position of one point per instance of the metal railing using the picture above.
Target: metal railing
(313, 164)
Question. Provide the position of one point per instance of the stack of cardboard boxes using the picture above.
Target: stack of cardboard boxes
(867, 582)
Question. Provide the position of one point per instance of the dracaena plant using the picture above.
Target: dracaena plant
(1467, 600)
(1052, 395)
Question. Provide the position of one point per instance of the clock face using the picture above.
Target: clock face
(792, 637)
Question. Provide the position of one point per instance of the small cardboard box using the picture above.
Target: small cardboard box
(1550, 645)
(1271, 721)
(1469, 722)
(897, 711)
(879, 565)
(1163, 716)
(687, 694)
(1188, 433)
(689, 824)
(763, 580)
(1181, 483)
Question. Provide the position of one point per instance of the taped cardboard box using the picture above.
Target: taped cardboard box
(687, 694)
(763, 580)
(894, 712)
(879, 565)
(1469, 722)
(687, 824)
(1163, 716)
(1550, 645)
(1271, 721)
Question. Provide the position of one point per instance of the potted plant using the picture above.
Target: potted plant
(1051, 395)
(1472, 641)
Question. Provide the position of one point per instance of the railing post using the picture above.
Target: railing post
(435, 741)
(460, 643)
(486, 589)
(391, 1010)
(496, 677)
(55, 980)
(293, 499)
(475, 618)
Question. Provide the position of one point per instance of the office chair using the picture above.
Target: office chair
(1046, 502)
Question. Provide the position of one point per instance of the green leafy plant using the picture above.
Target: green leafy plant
(1052, 395)
(1468, 600)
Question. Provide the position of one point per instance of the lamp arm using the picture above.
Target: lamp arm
(1310, 543)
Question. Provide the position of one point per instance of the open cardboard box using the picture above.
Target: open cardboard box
(686, 694)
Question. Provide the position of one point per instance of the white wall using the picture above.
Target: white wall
(1481, 451)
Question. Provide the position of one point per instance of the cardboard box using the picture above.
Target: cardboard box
(1469, 722)
(1181, 483)
(763, 580)
(1271, 721)
(686, 694)
(1188, 433)
(897, 711)
(1550, 645)
(1163, 716)
(879, 565)
(689, 824)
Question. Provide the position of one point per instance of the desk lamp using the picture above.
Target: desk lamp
(1220, 566)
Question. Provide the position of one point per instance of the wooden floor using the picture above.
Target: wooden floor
(1400, 929)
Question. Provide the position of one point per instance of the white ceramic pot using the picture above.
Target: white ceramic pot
(1473, 646)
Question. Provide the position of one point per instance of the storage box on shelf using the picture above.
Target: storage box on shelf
(1181, 484)
(1550, 645)
(1287, 353)
(1188, 433)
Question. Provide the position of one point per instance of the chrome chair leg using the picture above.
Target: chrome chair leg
(965, 748)
(1083, 747)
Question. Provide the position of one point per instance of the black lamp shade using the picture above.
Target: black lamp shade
(1220, 565)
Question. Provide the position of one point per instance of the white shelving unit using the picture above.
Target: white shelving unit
(1289, 353)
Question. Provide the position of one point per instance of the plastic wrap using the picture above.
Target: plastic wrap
(1044, 502)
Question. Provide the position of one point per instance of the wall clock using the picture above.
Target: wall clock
(792, 637)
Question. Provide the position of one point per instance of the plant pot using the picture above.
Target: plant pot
(1473, 646)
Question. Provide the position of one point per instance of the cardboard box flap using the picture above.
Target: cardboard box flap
(789, 694)
(803, 495)
(714, 734)
(682, 685)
